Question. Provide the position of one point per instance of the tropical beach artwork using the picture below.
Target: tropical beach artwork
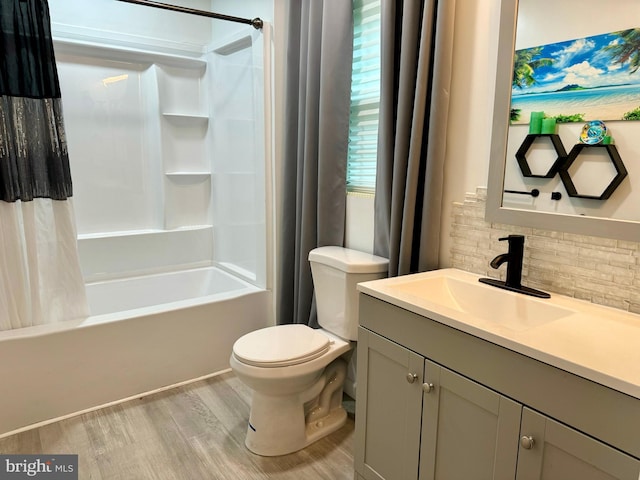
(591, 78)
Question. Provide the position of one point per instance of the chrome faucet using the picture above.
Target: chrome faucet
(513, 258)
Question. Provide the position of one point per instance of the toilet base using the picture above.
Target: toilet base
(279, 425)
(269, 443)
(329, 424)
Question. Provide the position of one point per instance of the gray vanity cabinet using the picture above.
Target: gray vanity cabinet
(388, 409)
(560, 453)
(468, 431)
(416, 419)
(436, 403)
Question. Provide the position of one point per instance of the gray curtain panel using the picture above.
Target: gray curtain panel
(318, 84)
(416, 57)
(34, 162)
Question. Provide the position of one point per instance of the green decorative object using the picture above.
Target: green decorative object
(548, 126)
(535, 123)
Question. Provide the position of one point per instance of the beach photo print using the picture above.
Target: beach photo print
(596, 77)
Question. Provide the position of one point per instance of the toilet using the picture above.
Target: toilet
(297, 372)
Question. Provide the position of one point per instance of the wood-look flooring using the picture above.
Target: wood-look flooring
(193, 432)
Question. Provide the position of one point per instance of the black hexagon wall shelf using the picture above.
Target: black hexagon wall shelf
(612, 151)
(521, 154)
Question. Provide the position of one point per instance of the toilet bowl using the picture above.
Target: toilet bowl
(296, 372)
(286, 405)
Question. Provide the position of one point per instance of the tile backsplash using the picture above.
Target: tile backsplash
(599, 270)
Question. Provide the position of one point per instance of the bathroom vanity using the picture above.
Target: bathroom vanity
(461, 380)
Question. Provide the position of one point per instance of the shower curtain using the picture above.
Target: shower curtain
(40, 277)
(318, 83)
(416, 56)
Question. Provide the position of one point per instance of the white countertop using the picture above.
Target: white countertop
(598, 343)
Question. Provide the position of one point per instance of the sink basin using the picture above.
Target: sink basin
(514, 311)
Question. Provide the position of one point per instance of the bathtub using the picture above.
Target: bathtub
(145, 334)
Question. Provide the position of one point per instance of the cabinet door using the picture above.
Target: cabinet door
(388, 409)
(468, 431)
(560, 453)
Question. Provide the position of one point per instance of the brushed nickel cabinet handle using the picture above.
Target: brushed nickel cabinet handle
(412, 377)
(527, 442)
(428, 387)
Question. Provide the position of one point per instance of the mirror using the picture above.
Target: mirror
(565, 178)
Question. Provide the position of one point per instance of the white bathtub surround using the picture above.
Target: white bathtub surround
(600, 270)
(74, 366)
(169, 152)
(40, 278)
(240, 130)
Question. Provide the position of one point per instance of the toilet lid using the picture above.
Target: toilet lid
(281, 346)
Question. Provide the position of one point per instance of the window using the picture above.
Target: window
(365, 97)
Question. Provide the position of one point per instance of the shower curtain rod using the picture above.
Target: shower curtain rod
(256, 22)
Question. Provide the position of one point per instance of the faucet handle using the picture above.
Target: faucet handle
(511, 237)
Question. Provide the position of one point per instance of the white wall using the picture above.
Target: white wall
(359, 222)
(470, 117)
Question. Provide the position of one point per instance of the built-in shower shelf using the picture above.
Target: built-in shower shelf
(186, 118)
(117, 234)
(138, 233)
(186, 175)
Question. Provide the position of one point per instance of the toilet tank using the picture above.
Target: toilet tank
(336, 271)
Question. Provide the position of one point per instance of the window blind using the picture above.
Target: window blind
(365, 97)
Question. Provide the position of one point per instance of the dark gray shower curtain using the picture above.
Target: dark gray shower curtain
(33, 153)
(417, 45)
(318, 83)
